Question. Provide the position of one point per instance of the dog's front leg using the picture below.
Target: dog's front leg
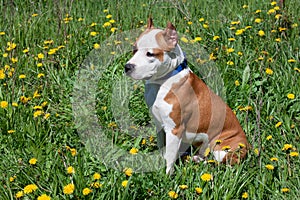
(172, 150)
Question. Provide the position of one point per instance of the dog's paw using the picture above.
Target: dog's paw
(197, 159)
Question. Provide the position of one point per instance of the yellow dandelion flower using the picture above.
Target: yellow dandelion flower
(30, 188)
(36, 94)
(287, 147)
(256, 151)
(294, 154)
(284, 190)
(38, 113)
(96, 185)
(73, 151)
(44, 197)
(2, 33)
(269, 71)
(230, 50)
(96, 176)
(40, 75)
(274, 159)
(22, 76)
(14, 60)
(294, 25)
(32, 161)
(230, 62)
(2, 74)
(226, 148)
(291, 60)
(108, 16)
(47, 115)
(218, 141)
(124, 183)
(258, 11)
(242, 145)
(106, 24)
(269, 167)
(278, 124)
(198, 190)
(96, 46)
(282, 29)
(278, 16)
(12, 179)
(3, 104)
(86, 191)
(206, 26)
(236, 83)
(26, 50)
(239, 31)
(183, 187)
(291, 96)
(206, 177)
(173, 194)
(93, 33)
(11, 131)
(184, 39)
(70, 170)
(273, 3)
(128, 171)
(93, 24)
(5, 55)
(19, 194)
(39, 64)
(269, 137)
(69, 189)
(271, 11)
(144, 141)
(207, 151)
(231, 39)
(261, 33)
(201, 19)
(245, 195)
(40, 55)
(297, 69)
(276, 8)
(277, 40)
(133, 151)
(113, 29)
(258, 20)
(216, 37)
(197, 39)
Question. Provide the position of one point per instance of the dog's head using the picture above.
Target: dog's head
(156, 53)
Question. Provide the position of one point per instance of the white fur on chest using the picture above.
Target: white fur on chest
(161, 109)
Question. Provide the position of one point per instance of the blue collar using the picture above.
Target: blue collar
(178, 69)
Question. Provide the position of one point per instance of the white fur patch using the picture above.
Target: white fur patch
(219, 155)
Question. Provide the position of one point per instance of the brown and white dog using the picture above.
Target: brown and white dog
(186, 111)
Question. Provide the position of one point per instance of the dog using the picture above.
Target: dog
(186, 112)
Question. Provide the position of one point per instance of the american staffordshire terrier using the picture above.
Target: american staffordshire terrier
(185, 110)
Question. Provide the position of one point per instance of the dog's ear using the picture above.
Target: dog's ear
(170, 35)
(150, 23)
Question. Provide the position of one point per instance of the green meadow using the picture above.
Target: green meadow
(53, 52)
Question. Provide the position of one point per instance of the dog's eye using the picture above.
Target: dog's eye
(134, 51)
(148, 54)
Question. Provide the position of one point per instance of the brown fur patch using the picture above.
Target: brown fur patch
(159, 54)
(196, 109)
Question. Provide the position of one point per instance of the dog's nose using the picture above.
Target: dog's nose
(129, 67)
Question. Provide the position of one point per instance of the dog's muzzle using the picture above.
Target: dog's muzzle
(129, 68)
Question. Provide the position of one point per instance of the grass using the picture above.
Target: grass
(46, 46)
